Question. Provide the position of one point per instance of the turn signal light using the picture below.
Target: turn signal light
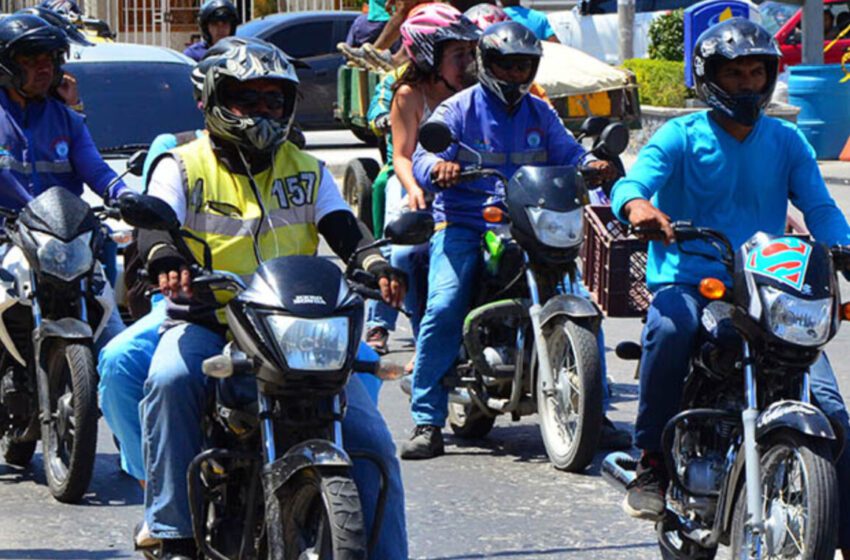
(712, 288)
(845, 311)
(493, 215)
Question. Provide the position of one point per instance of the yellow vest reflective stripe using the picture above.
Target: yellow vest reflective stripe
(223, 209)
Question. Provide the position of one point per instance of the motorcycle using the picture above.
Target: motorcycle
(275, 481)
(55, 301)
(528, 344)
(750, 457)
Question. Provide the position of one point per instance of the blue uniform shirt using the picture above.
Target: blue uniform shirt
(692, 169)
(196, 51)
(531, 135)
(44, 145)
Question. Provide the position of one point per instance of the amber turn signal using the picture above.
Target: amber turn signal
(712, 288)
(845, 311)
(493, 215)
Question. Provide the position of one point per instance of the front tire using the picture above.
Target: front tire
(469, 421)
(322, 517)
(800, 493)
(571, 414)
(69, 442)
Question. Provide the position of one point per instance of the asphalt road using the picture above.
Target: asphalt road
(496, 498)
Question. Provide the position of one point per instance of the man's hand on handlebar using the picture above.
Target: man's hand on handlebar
(391, 282)
(642, 215)
(176, 284)
(603, 171)
(446, 173)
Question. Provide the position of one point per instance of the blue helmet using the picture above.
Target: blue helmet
(29, 34)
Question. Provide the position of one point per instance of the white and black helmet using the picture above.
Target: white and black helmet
(243, 59)
(507, 40)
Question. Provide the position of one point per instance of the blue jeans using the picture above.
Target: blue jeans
(172, 399)
(413, 261)
(123, 367)
(669, 340)
(454, 263)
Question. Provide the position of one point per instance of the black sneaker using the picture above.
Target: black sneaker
(178, 549)
(614, 438)
(425, 443)
(645, 496)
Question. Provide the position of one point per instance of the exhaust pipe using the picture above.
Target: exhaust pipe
(618, 469)
(458, 395)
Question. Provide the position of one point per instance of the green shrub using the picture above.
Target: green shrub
(667, 37)
(660, 82)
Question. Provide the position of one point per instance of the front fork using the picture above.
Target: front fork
(751, 457)
(547, 379)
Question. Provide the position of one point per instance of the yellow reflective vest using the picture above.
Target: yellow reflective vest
(244, 221)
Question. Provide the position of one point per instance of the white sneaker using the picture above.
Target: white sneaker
(142, 537)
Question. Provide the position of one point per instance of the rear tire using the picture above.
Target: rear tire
(322, 517)
(360, 173)
(469, 421)
(69, 443)
(571, 426)
(800, 490)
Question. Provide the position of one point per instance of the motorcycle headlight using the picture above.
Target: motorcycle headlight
(63, 260)
(311, 344)
(798, 321)
(562, 230)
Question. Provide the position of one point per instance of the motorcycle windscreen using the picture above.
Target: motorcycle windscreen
(304, 286)
(59, 212)
(789, 264)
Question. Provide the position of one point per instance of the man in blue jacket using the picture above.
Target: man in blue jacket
(43, 143)
(730, 169)
(510, 128)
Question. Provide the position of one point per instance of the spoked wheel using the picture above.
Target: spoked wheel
(571, 411)
(70, 441)
(800, 502)
(469, 422)
(322, 518)
(673, 546)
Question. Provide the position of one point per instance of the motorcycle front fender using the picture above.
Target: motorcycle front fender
(67, 328)
(574, 307)
(313, 453)
(794, 415)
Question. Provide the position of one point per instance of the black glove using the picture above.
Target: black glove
(382, 269)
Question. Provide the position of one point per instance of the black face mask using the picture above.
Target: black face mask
(746, 108)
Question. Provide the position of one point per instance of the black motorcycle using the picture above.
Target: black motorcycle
(750, 457)
(276, 482)
(54, 302)
(529, 345)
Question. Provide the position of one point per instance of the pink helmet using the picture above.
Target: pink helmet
(428, 26)
(484, 15)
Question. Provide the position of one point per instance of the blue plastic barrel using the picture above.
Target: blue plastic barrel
(824, 106)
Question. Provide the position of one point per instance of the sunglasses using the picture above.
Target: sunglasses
(509, 64)
(250, 99)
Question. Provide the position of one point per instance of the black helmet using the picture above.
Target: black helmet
(59, 20)
(729, 40)
(217, 10)
(28, 34)
(242, 59)
(502, 40)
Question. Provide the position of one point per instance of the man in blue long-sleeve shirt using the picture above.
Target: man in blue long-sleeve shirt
(43, 143)
(510, 129)
(730, 169)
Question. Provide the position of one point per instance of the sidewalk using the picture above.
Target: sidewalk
(835, 173)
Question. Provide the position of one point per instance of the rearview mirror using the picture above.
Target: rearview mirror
(593, 126)
(136, 163)
(411, 228)
(613, 140)
(435, 137)
(147, 212)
